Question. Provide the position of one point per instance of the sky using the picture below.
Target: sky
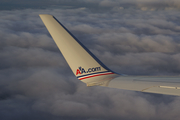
(134, 37)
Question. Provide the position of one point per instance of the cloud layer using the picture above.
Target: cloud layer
(94, 5)
(131, 37)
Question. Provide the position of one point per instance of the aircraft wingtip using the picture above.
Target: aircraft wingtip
(41, 15)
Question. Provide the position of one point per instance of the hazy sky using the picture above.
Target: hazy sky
(135, 37)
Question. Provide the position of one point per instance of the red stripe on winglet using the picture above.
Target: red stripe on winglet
(95, 75)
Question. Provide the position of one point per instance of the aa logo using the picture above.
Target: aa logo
(78, 72)
(82, 70)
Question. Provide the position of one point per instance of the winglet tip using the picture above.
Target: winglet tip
(43, 15)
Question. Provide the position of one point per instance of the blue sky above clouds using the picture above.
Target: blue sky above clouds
(130, 36)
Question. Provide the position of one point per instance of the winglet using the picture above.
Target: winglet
(85, 66)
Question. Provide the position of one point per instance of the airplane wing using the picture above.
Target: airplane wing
(151, 84)
(90, 70)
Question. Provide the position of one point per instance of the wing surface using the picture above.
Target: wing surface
(151, 84)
